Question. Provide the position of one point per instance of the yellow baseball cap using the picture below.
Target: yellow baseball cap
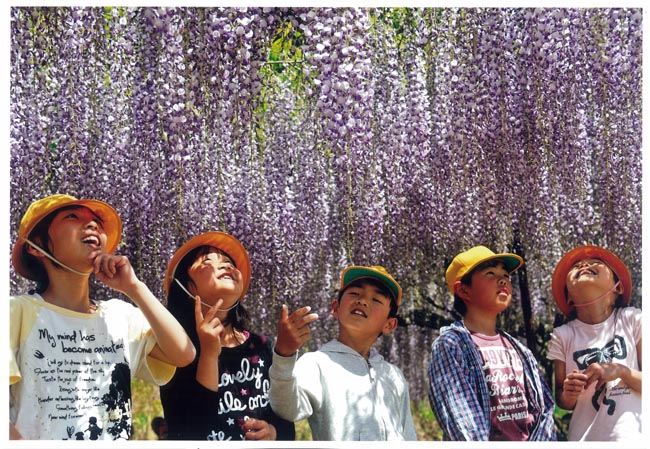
(466, 261)
(221, 240)
(376, 272)
(38, 210)
(558, 284)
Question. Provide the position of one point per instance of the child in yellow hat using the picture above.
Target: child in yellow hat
(485, 384)
(224, 394)
(597, 354)
(346, 389)
(73, 357)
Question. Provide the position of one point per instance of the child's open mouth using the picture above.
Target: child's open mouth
(91, 240)
(359, 312)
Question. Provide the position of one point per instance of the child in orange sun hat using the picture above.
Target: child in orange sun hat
(597, 354)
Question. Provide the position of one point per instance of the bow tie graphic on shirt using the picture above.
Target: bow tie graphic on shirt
(615, 349)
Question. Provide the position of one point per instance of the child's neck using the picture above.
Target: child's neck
(231, 337)
(480, 323)
(69, 291)
(595, 313)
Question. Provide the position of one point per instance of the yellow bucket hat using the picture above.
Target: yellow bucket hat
(40, 209)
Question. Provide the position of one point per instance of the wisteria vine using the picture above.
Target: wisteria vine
(323, 137)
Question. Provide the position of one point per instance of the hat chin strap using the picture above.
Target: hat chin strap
(53, 259)
(594, 301)
(202, 302)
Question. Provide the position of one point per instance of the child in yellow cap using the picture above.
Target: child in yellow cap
(224, 394)
(485, 384)
(72, 357)
(346, 389)
(597, 354)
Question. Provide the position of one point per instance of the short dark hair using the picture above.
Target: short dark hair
(459, 305)
(383, 288)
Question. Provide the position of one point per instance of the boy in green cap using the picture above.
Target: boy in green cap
(485, 384)
(346, 389)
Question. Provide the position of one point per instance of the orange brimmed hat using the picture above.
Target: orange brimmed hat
(466, 261)
(375, 272)
(221, 240)
(40, 209)
(587, 252)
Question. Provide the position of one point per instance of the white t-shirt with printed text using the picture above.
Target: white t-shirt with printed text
(70, 373)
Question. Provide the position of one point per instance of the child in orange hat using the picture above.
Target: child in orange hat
(597, 353)
(223, 395)
(73, 357)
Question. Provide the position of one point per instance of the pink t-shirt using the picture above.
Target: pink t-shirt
(504, 375)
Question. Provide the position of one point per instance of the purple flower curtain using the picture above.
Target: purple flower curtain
(322, 137)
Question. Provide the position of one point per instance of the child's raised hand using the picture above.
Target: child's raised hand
(115, 271)
(209, 327)
(574, 383)
(293, 330)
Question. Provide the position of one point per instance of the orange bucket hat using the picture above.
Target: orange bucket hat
(376, 272)
(40, 209)
(221, 240)
(587, 252)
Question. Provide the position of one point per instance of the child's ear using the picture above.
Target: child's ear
(389, 326)
(619, 288)
(33, 251)
(335, 308)
(461, 291)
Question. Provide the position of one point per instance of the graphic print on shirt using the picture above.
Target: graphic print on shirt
(118, 402)
(243, 393)
(614, 349)
(73, 393)
(503, 373)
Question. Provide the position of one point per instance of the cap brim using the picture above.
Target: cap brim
(221, 240)
(359, 272)
(511, 261)
(111, 223)
(558, 284)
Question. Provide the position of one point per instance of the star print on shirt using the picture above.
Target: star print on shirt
(244, 392)
(231, 422)
(261, 363)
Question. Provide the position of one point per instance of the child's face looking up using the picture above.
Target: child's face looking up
(363, 306)
(214, 276)
(77, 236)
(589, 278)
(490, 289)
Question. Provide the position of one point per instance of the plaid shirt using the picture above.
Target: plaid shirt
(459, 394)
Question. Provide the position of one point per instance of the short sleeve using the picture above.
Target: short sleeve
(556, 348)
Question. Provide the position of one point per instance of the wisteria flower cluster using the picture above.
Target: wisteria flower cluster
(323, 137)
